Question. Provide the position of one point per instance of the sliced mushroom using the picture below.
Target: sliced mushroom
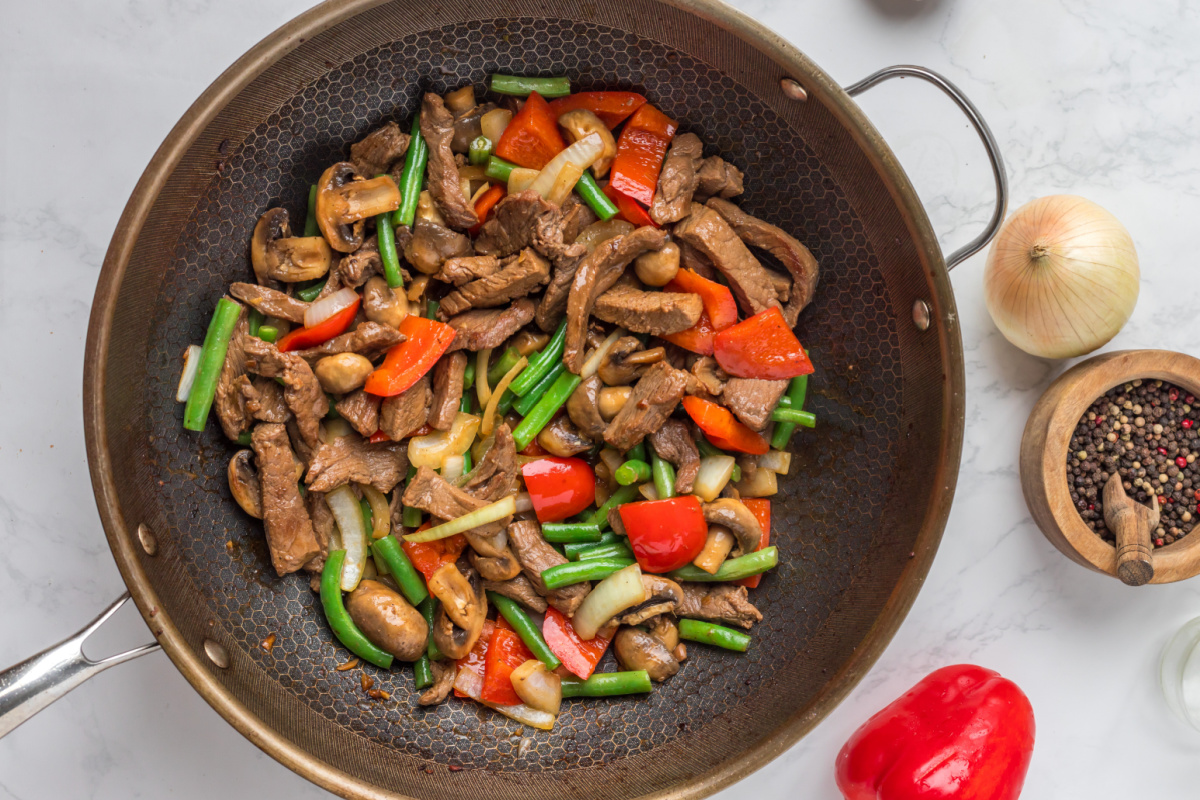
(740, 520)
(663, 595)
(665, 630)
(456, 641)
(468, 126)
(580, 123)
(345, 199)
(636, 649)
(501, 568)
(383, 305)
(272, 225)
(432, 245)
(614, 370)
(461, 100)
(244, 484)
(583, 407)
(560, 438)
(387, 619)
(276, 255)
(612, 400)
(454, 591)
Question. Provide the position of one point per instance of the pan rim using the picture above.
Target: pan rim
(122, 540)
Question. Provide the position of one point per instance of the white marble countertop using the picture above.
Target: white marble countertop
(1095, 98)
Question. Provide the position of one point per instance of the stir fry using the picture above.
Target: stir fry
(518, 392)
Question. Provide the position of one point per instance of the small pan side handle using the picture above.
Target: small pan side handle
(981, 127)
(28, 687)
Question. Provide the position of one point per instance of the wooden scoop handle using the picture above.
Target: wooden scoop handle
(1135, 565)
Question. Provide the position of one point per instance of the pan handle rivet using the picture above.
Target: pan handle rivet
(216, 653)
(148, 539)
(793, 89)
(922, 317)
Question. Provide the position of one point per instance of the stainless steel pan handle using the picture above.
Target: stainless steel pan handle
(28, 687)
(985, 134)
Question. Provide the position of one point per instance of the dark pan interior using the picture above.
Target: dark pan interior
(848, 516)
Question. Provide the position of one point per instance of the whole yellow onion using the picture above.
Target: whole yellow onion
(1062, 277)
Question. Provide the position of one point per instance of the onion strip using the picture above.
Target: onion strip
(191, 365)
(326, 307)
(593, 361)
(381, 512)
(524, 503)
(619, 591)
(489, 414)
(471, 684)
(482, 390)
(348, 515)
(714, 473)
(582, 154)
(492, 512)
(778, 461)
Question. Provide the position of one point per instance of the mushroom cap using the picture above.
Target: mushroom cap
(636, 649)
(734, 515)
(663, 596)
(583, 407)
(244, 484)
(455, 641)
(387, 619)
(272, 225)
(345, 237)
(561, 438)
(501, 568)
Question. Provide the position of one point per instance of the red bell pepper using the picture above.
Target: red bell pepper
(535, 450)
(425, 341)
(628, 208)
(962, 733)
(760, 507)
(697, 339)
(578, 656)
(485, 203)
(612, 108)
(665, 534)
(474, 661)
(762, 347)
(303, 338)
(505, 652)
(640, 151)
(722, 428)
(428, 557)
(559, 487)
(531, 138)
(720, 312)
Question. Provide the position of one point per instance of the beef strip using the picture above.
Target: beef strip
(229, 403)
(717, 178)
(693, 259)
(352, 458)
(525, 220)
(355, 269)
(264, 400)
(536, 555)
(503, 567)
(437, 128)
(444, 673)
(322, 522)
(464, 269)
(482, 328)
(519, 589)
(782, 285)
(653, 399)
(597, 273)
(752, 400)
(711, 235)
(289, 529)
(799, 261)
(447, 390)
(658, 313)
(515, 280)
(370, 339)
(677, 181)
(431, 492)
(270, 302)
(577, 215)
(495, 476)
(717, 602)
(583, 407)
(553, 305)
(361, 410)
(402, 414)
(431, 245)
(378, 150)
(301, 391)
(674, 442)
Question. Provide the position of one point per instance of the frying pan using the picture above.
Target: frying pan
(857, 521)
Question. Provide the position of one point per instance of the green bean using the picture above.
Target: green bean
(733, 569)
(498, 169)
(608, 684)
(606, 551)
(707, 633)
(632, 471)
(428, 609)
(546, 408)
(595, 197)
(255, 319)
(212, 360)
(244, 439)
(410, 517)
(411, 582)
(572, 549)
(309, 290)
(467, 462)
(523, 625)
(386, 236)
(469, 376)
(796, 392)
(664, 475)
(422, 673)
(505, 403)
(339, 619)
(464, 405)
(521, 85)
(736, 474)
(620, 497)
(431, 309)
(480, 150)
(638, 452)
(311, 228)
(268, 333)
(524, 404)
(542, 363)
(333, 412)
(412, 177)
(805, 418)
(571, 532)
(503, 364)
(367, 514)
(572, 572)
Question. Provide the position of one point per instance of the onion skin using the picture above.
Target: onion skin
(1062, 277)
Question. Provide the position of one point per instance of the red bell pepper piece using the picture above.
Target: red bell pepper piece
(425, 341)
(534, 449)
(665, 534)
(762, 347)
(505, 653)
(578, 656)
(475, 660)
(720, 426)
(485, 203)
(640, 151)
(428, 557)
(760, 507)
(628, 208)
(697, 339)
(303, 338)
(612, 108)
(559, 487)
(963, 732)
(720, 312)
(531, 138)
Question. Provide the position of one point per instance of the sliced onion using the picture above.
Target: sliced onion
(619, 591)
(191, 363)
(564, 183)
(592, 364)
(489, 414)
(612, 459)
(482, 390)
(348, 515)
(523, 503)
(760, 483)
(521, 179)
(648, 491)
(452, 467)
(480, 192)
(582, 154)
(778, 461)
(428, 210)
(381, 512)
(469, 682)
(432, 449)
(492, 512)
(538, 687)
(494, 122)
(326, 307)
(714, 473)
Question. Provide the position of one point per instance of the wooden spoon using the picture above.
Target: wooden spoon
(1132, 523)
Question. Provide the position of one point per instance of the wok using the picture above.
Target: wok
(857, 521)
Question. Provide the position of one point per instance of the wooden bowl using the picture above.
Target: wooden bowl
(1044, 457)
